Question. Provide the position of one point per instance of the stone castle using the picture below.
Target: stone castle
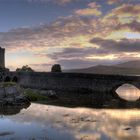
(2, 57)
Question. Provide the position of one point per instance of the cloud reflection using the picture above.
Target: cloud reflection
(83, 122)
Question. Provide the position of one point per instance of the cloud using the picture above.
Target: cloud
(82, 39)
(61, 33)
(108, 52)
(125, 13)
(94, 5)
(113, 1)
(132, 26)
(124, 45)
(67, 39)
(110, 2)
(78, 53)
(88, 12)
(128, 9)
(106, 47)
(92, 10)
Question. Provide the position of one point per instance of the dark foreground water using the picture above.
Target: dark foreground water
(45, 122)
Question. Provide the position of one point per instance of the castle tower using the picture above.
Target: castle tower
(2, 57)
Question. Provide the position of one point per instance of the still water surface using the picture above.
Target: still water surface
(45, 122)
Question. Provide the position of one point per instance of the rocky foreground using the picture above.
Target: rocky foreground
(11, 94)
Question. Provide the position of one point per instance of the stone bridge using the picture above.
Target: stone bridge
(95, 87)
(71, 81)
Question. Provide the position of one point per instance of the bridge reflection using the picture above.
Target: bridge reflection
(12, 110)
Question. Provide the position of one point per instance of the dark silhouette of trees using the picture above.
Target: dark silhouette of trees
(56, 68)
(25, 68)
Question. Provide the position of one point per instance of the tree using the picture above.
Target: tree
(25, 68)
(56, 68)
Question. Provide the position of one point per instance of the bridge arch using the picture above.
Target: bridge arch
(116, 86)
(15, 79)
(7, 79)
(124, 96)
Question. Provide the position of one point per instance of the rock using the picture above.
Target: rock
(12, 95)
(52, 94)
(11, 91)
(127, 128)
(8, 101)
(21, 99)
(43, 92)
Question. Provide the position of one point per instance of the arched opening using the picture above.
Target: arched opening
(7, 79)
(128, 92)
(15, 79)
(0, 77)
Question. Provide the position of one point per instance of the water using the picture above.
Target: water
(46, 122)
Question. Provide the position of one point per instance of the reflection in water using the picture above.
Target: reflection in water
(128, 92)
(43, 122)
(10, 110)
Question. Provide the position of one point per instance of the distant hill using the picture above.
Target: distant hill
(130, 64)
(129, 68)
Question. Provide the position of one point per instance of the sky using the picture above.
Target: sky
(72, 33)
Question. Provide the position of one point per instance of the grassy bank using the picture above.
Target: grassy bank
(7, 84)
(33, 95)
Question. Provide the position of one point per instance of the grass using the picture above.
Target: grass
(7, 84)
(35, 96)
